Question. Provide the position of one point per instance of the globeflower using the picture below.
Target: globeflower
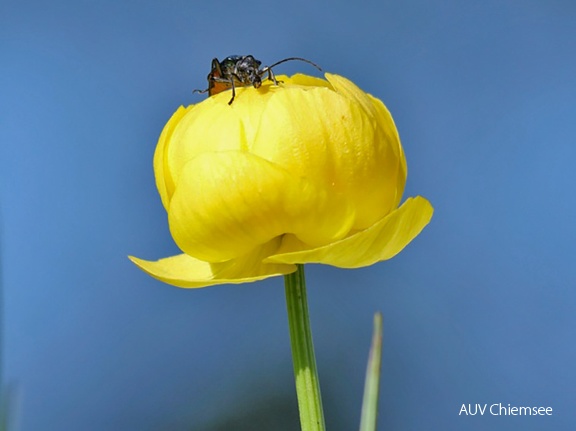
(308, 171)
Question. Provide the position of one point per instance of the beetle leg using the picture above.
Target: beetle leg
(233, 92)
(271, 76)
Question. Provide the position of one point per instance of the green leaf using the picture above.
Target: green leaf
(372, 383)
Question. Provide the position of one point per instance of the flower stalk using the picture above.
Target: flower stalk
(305, 373)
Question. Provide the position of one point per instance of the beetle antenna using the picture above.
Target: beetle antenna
(293, 58)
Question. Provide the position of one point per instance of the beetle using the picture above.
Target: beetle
(241, 71)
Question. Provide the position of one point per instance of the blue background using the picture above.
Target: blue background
(480, 308)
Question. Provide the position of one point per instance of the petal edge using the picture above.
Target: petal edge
(382, 241)
(188, 272)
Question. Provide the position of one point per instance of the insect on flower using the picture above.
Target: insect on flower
(241, 71)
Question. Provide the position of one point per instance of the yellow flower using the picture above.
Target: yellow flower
(310, 170)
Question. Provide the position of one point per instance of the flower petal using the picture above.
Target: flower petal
(227, 203)
(379, 242)
(301, 79)
(351, 91)
(350, 147)
(185, 271)
(164, 180)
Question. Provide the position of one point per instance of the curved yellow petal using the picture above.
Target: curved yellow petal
(164, 180)
(350, 147)
(379, 242)
(351, 91)
(389, 134)
(227, 203)
(185, 271)
(301, 79)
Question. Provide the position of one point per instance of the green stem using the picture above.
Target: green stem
(307, 385)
